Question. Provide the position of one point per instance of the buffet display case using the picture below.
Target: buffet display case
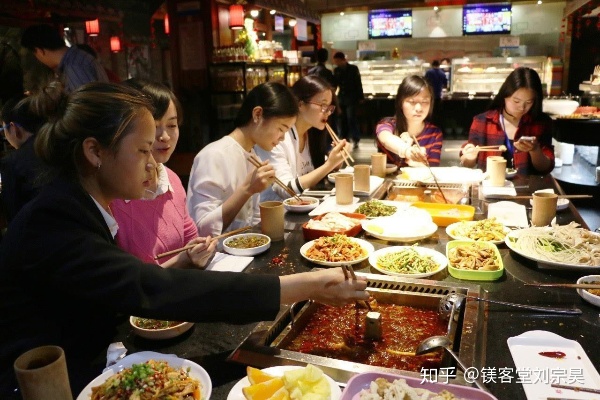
(475, 76)
(382, 77)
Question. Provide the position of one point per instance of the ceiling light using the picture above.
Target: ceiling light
(342, 13)
(539, 2)
(435, 8)
(254, 13)
(272, 12)
(292, 23)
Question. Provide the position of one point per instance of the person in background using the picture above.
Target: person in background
(64, 282)
(321, 69)
(515, 120)
(437, 79)
(160, 222)
(395, 136)
(350, 95)
(11, 73)
(301, 160)
(72, 66)
(112, 77)
(20, 169)
(224, 187)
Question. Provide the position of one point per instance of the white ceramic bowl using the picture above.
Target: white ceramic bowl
(251, 251)
(559, 106)
(289, 205)
(391, 168)
(511, 173)
(587, 296)
(158, 334)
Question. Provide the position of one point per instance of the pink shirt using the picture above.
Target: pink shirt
(151, 227)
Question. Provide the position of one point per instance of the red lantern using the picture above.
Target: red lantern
(92, 27)
(167, 27)
(115, 44)
(236, 16)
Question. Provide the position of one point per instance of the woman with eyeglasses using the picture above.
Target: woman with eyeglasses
(409, 138)
(302, 159)
(515, 120)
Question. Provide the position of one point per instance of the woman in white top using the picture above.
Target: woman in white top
(300, 160)
(223, 190)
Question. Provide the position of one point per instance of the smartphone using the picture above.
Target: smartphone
(528, 138)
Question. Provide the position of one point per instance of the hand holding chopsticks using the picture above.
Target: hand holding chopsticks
(429, 167)
(285, 187)
(336, 141)
(349, 274)
(191, 246)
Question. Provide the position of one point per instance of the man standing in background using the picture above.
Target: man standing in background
(321, 69)
(347, 77)
(73, 66)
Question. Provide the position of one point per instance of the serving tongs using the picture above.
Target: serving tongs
(429, 167)
(451, 298)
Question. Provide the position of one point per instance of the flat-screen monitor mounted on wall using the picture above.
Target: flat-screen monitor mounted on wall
(390, 24)
(485, 19)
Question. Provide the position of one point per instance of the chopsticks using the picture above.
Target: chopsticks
(575, 388)
(567, 285)
(285, 187)
(560, 196)
(500, 148)
(336, 140)
(190, 246)
(348, 274)
(429, 167)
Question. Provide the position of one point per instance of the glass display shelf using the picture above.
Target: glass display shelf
(382, 77)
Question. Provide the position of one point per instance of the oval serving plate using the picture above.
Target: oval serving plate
(368, 247)
(453, 230)
(437, 257)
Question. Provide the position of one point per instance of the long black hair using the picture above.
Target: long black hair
(275, 99)
(410, 86)
(520, 78)
(318, 141)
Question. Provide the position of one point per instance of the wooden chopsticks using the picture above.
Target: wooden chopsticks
(336, 140)
(567, 285)
(560, 196)
(289, 190)
(500, 148)
(190, 246)
(429, 167)
(575, 388)
(349, 274)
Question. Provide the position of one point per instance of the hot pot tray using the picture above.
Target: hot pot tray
(263, 347)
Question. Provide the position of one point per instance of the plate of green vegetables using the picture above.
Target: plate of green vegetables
(408, 261)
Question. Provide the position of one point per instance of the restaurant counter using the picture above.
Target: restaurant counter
(209, 344)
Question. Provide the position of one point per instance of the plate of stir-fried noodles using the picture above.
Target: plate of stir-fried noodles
(172, 377)
(333, 251)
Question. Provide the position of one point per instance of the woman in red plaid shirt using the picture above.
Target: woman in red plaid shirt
(395, 136)
(515, 120)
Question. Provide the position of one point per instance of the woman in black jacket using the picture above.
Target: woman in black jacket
(63, 280)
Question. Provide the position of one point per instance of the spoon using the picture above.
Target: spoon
(436, 342)
(452, 298)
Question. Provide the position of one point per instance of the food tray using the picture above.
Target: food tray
(312, 234)
(446, 214)
(411, 192)
(362, 381)
(474, 275)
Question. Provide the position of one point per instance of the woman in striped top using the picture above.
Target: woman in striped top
(396, 135)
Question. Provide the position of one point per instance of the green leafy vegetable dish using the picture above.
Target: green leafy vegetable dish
(375, 208)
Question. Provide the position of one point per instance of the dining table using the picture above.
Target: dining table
(210, 344)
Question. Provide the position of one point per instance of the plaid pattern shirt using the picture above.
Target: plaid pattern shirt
(487, 130)
(430, 139)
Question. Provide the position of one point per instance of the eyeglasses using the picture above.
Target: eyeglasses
(422, 103)
(329, 109)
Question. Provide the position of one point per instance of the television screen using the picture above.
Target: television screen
(486, 19)
(390, 24)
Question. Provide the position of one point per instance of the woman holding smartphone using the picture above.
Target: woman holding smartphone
(516, 121)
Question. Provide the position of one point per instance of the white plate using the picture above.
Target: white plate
(330, 204)
(587, 296)
(438, 257)
(236, 391)
(246, 252)
(451, 231)
(196, 371)
(397, 230)
(561, 203)
(301, 208)
(158, 334)
(525, 350)
(541, 262)
(368, 247)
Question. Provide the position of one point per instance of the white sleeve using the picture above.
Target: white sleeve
(205, 195)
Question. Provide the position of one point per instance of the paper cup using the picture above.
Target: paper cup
(344, 188)
(271, 219)
(544, 208)
(42, 374)
(362, 178)
(496, 169)
(378, 161)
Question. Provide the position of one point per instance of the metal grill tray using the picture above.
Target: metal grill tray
(468, 330)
